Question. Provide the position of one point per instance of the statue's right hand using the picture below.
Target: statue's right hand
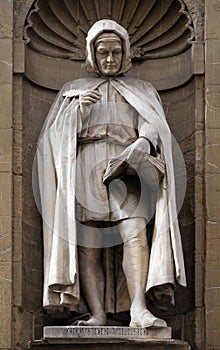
(87, 98)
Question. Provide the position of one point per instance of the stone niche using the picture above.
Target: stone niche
(167, 51)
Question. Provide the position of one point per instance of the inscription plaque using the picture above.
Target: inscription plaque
(75, 332)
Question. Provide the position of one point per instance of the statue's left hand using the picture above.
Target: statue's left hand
(128, 161)
(136, 150)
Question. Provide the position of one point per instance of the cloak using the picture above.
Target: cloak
(54, 176)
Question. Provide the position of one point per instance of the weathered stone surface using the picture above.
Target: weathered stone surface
(213, 151)
(5, 304)
(212, 61)
(213, 297)
(5, 149)
(6, 83)
(212, 230)
(5, 194)
(213, 339)
(212, 15)
(23, 328)
(6, 61)
(5, 233)
(112, 344)
(212, 195)
(6, 18)
(18, 56)
(6, 34)
(213, 106)
(213, 252)
(5, 105)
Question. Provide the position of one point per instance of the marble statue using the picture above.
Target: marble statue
(104, 162)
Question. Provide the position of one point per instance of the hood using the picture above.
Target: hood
(107, 25)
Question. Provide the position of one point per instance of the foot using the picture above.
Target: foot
(144, 318)
(92, 321)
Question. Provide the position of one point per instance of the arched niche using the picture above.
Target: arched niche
(161, 33)
(166, 53)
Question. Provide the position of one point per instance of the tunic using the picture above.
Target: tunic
(110, 127)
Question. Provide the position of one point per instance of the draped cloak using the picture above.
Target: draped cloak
(54, 176)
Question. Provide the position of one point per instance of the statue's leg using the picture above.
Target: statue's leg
(92, 279)
(135, 266)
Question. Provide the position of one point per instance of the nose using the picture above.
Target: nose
(110, 58)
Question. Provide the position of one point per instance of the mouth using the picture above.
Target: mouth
(110, 67)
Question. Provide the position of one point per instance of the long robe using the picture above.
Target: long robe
(56, 178)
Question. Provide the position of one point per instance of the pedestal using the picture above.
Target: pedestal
(108, 338)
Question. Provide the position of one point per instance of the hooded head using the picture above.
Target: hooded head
(107, 30)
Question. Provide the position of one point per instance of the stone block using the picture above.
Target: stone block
(5, 194)
(23, 328)
(17, 283)
(212, 196)
(6, 18)
(6, 105)
(18, 52)
(212, 15)
(5, 232)
(199, 183)
(198, 56)
(212, 250)
(17, 181)
(213, 279)
(17, 239)
(5, 150)
(5, 239)
(213, 339)
(213, 151)
(5, 61)
(213, 265)
(212, 137)
(17, 101)
(212, 230)
(17, 149)
(213, 313)
(213, 301)
(111, 344)
(199, 328)
(5, 305)
(213, 106)
(212, 61)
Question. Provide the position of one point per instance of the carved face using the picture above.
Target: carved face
(108, 56)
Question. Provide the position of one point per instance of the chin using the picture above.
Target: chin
(110, 72)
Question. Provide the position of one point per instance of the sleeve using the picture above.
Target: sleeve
(147, 131)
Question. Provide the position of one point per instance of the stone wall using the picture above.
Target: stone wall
(6, 197)
(212, 173)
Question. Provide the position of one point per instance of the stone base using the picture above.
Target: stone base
(108, 338)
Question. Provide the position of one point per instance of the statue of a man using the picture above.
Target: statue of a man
(106, 136)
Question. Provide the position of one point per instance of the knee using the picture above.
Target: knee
(134, 233)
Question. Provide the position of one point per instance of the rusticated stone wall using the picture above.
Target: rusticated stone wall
(212, 173)
(6, 197)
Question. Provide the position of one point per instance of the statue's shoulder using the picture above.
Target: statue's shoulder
(78, 83)
(138, 83)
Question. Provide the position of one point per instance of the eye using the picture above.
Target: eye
(102, 52)
(117, 52)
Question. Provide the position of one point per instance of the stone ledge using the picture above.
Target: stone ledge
(110, 344)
